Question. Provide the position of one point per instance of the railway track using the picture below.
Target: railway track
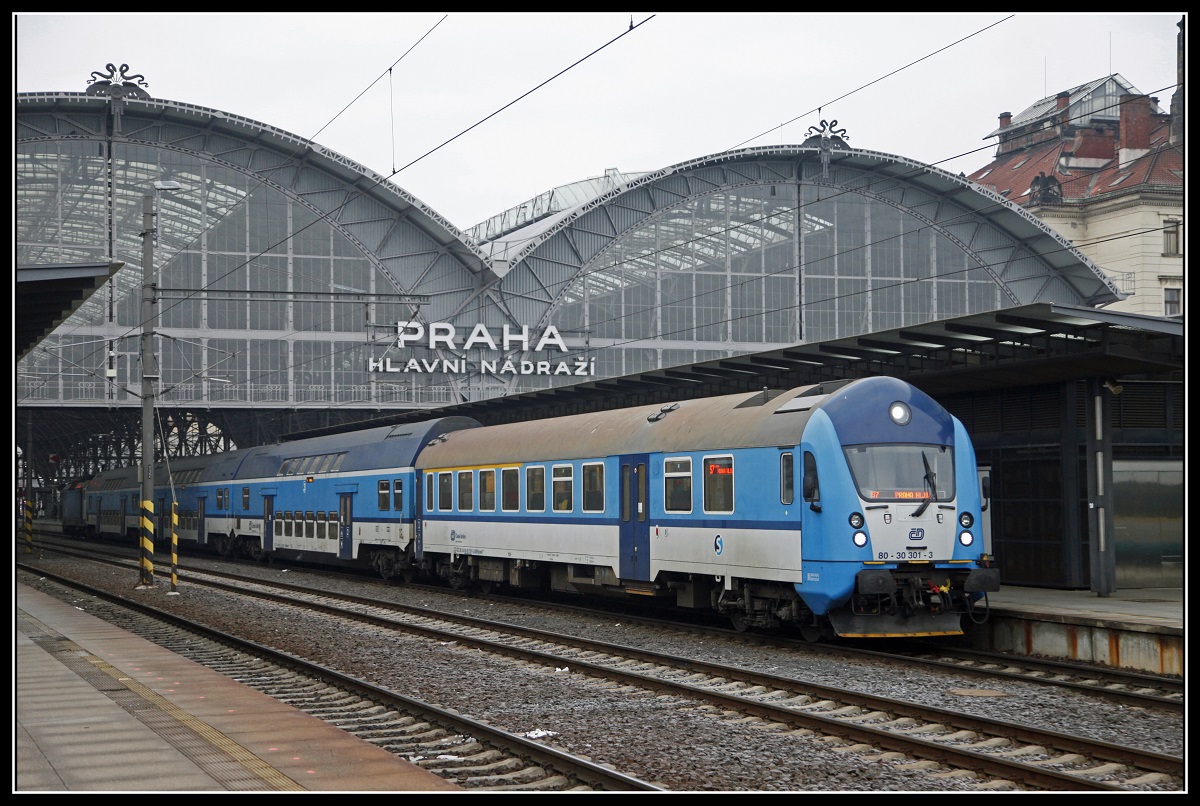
(1119, 686)
(471, 753)
(1001, 753)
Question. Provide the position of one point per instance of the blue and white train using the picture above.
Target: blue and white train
(850, 508)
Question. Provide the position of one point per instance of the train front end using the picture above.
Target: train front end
(892, 530)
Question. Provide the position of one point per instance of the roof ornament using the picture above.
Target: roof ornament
(128, 86)
(826, 137)
(1045, 190)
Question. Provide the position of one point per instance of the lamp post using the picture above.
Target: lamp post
(149, 376)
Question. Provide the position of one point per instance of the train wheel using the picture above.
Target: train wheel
(811, 633)
(740, 622)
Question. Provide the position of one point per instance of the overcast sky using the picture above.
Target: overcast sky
(532, 101)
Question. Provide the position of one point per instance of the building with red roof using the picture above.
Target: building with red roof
(1103, 165)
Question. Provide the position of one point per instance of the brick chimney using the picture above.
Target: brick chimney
(1061, 102)
(1005, 120)
(1137, 124)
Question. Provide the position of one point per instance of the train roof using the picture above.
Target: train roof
(718, 423)
(747, 420)
(392, 446)
(115, 478)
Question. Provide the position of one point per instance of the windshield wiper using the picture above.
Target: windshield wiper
(931, 483)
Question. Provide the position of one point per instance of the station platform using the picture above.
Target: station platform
(98, 709)
(1140, 629)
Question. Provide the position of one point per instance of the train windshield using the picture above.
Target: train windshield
(917, 473)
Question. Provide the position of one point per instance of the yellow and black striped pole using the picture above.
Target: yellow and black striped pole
(28, 526)
(174, 548)
(146, 578)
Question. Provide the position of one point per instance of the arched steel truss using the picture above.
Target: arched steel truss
(76, 207)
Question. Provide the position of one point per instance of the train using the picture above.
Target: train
(847, 509)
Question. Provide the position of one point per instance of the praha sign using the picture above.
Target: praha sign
(445, 335)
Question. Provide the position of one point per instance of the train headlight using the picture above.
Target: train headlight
(860, 539)
(966, 519)
(856, 520)
(966, 538)
(900, 413)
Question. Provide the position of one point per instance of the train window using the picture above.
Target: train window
(337, 463)
(563, 491)
(320, 525)
(310, 524)
(510, 489)
(246, 499)
(718, 484)
(466, 490)
(812, 487)
(643, 484)
(284, 468)
(220, 498)
(487, 490)
(385, 497)
(287, 523)
(787, 483)
(445, 491)
(593, 488)
(563, 487)
(626, 496)
(535, 489)
(328, 462)
(429, 492)
(902, 472)
(677, 485)
(398, 494)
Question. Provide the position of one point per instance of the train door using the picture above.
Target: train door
(345, 526)
(201, 527)
(92, 525)
(420, 505)
(162, 532)
(985, 492)
(268, 522)
(634, 515)
(811, 536)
